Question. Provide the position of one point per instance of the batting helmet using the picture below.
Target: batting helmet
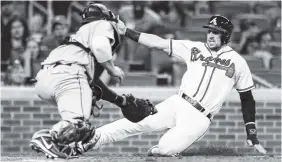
(96, 11)
(221, 24)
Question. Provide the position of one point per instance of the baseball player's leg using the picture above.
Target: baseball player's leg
(44, 86)
(123, 128)
(74, 98)
(190, 126)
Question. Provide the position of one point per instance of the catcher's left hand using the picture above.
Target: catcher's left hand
(137, 109)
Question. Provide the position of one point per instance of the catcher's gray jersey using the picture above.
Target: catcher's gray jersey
(67, 85)
(73, 54)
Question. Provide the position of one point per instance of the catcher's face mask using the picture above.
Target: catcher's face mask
(96, 11)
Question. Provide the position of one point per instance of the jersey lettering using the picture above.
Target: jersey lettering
(195, 57)
(229, 70)
(218, 63)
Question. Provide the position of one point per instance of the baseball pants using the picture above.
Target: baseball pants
(186, 125)
(67, 87)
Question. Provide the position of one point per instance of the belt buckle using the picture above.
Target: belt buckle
(190, 100)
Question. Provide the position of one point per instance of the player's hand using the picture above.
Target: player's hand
(117, 72)
(252, 139)
(121, 27)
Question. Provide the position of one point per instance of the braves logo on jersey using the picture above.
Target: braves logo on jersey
(216, 62)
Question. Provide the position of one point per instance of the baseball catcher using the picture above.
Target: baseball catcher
(69, 79)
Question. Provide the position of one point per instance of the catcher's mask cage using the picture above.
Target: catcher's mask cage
(96, 11)
(221, 24)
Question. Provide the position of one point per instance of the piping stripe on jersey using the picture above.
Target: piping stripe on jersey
(212, 72)
(208, 84)
(245, 89)
(170, 47)
(201, 82)
(208, 49)
(202, 76)
(80, 94)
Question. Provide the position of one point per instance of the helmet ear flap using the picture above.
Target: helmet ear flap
(225, 38)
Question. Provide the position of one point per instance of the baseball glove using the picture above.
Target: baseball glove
(136, 109)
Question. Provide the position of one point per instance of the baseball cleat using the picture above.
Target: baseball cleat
(153, 151)
(42, 142)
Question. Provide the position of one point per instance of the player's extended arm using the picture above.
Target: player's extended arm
(249, 111)
(149, 40)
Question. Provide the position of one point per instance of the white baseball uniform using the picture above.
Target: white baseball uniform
(67, 85)
(209, 78)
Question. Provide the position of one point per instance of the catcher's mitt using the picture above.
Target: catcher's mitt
(137, 109)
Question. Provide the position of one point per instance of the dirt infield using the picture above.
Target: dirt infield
(142, 158)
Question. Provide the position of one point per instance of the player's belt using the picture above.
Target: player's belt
(195, 104)
(56, 64)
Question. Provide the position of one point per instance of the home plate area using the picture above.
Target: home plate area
(210, 154)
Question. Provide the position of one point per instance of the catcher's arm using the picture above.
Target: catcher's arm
(249, 111)
(108, 94)
(134, 109)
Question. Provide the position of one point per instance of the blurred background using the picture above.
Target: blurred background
(31, 29)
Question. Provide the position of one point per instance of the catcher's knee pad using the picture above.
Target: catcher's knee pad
(66, 132)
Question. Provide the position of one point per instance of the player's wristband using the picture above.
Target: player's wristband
(251, 129)
(132, 34)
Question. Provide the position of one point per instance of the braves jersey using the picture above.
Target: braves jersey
(210, 75)
(74, 54)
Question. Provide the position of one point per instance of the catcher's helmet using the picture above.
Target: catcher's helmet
(96, 11)
(221, 24)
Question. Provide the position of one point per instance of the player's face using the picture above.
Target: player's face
(60, 31)
(213, 39)
(33, 48)
(17, 29)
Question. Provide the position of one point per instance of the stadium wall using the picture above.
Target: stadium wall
(22, 113)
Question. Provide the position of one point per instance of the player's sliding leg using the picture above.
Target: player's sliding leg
(190, 126)
(123, 128)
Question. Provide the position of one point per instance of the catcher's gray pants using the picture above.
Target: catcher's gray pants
(185, 123)
(67, 87)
